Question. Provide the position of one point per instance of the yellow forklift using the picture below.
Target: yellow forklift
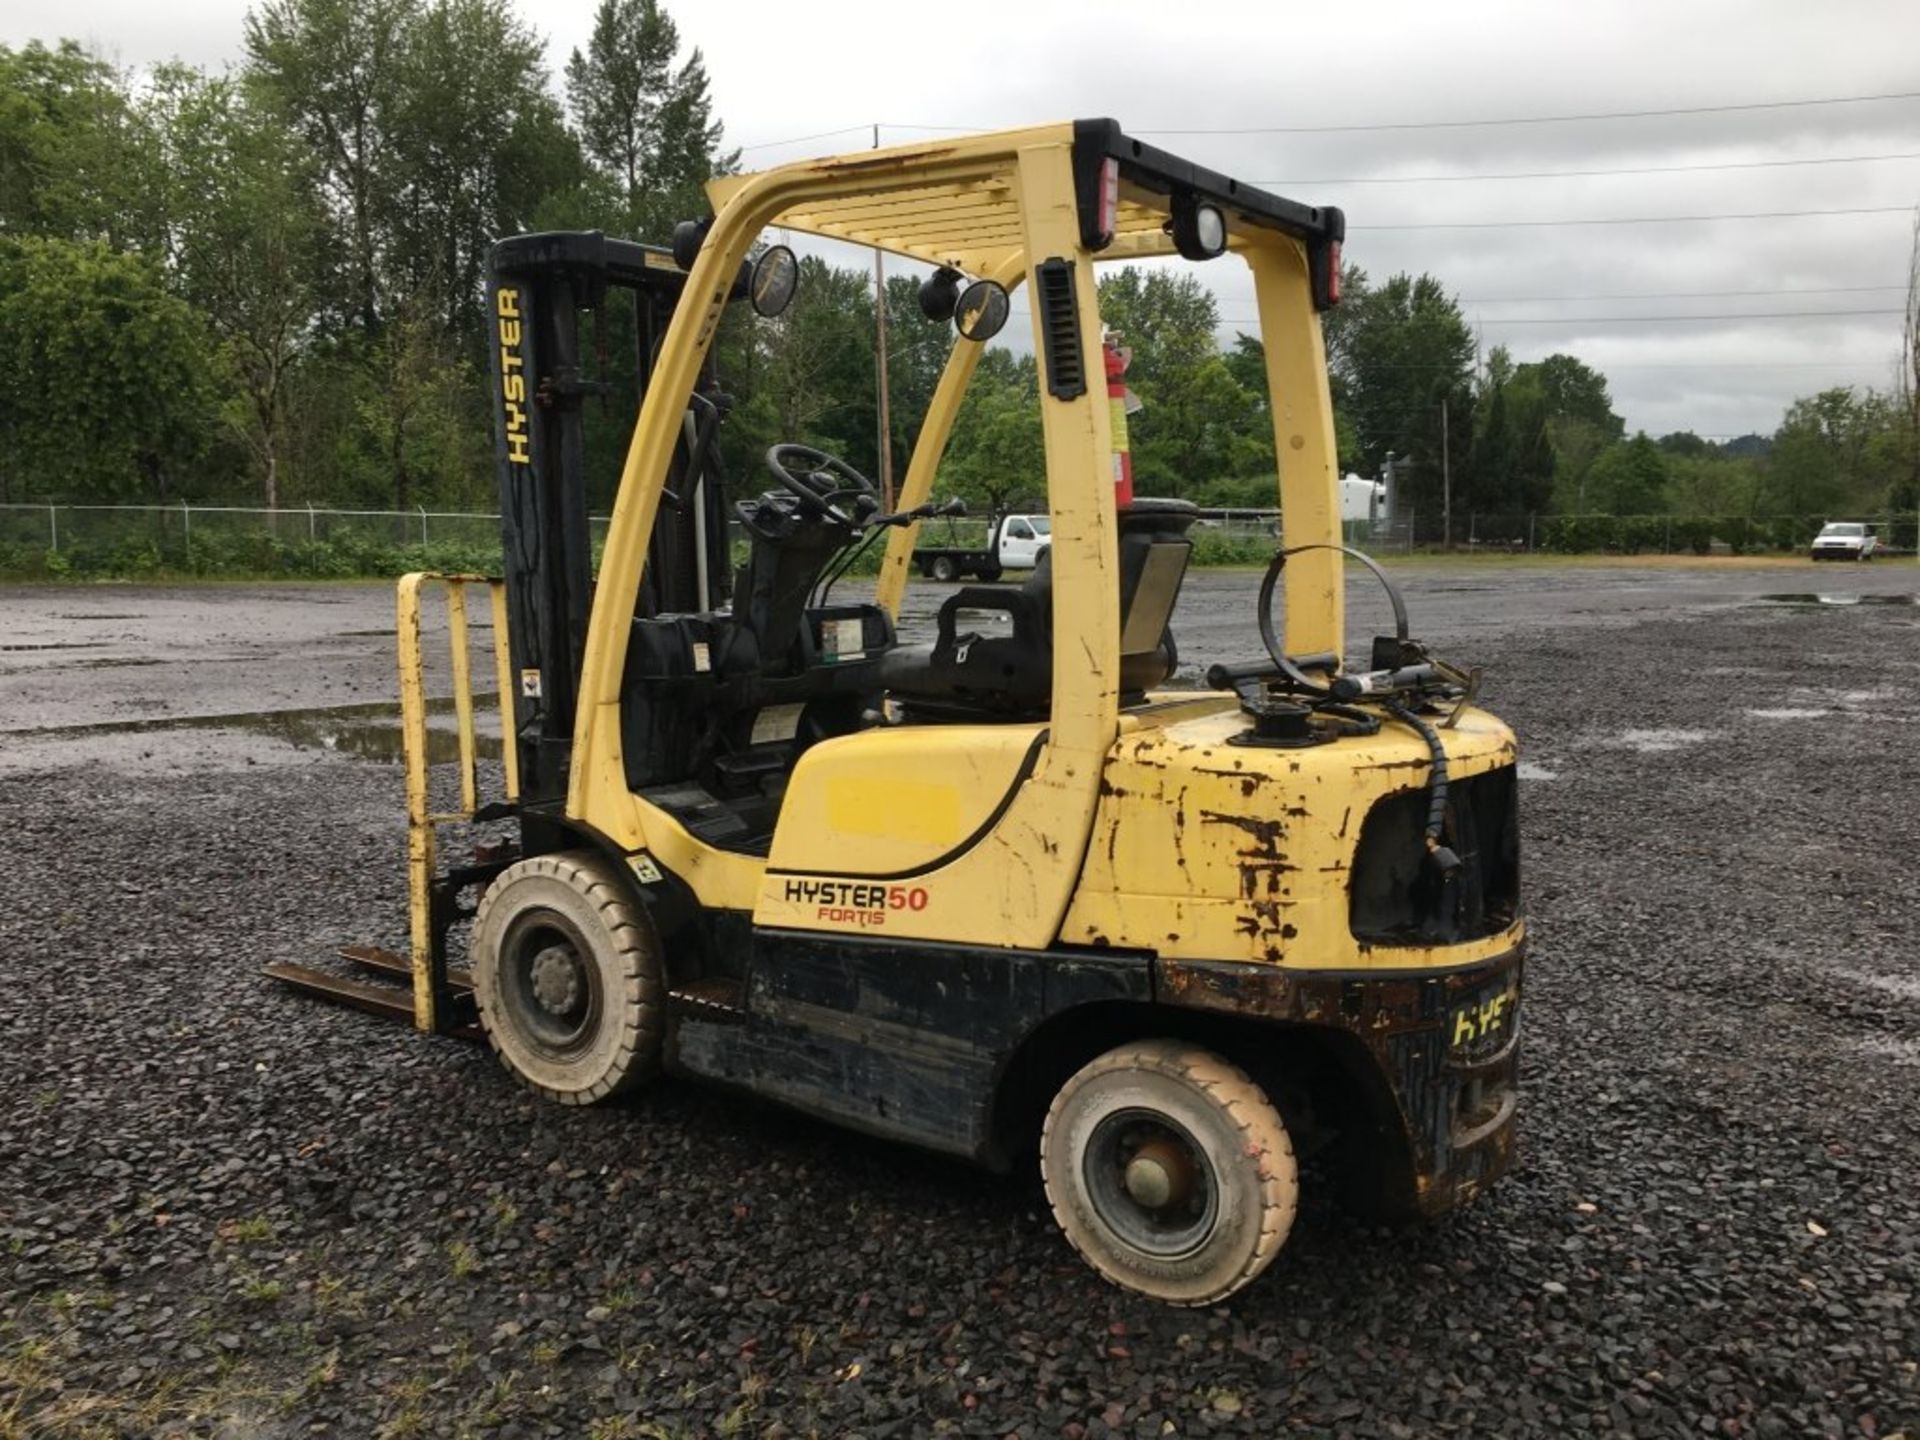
(1006, 894)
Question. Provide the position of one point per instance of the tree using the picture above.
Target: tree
(333, 70)
(1403, 358)
(108, 383)
(1510, 466)
(1199, 424)
(998, 453)
(71, 150)
(242, 236)
(477, 143)
(644, 123)
(1572, 390)
(414, 424)
(1630, 478)
(1904, 496)
(1835, 452)
(917, 353)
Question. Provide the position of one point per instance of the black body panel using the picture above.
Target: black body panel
(897, 1038)
(922, 1042)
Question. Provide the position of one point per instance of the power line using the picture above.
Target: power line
(1672, 295)
(1570, 174)
(1611, 366)
(1476, 300)
(1633, 219)
(801, 139)
(1669, 319)
(1528, 119)
(1400, 124)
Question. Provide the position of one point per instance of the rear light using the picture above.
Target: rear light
(1109, 200)
(1333, 273)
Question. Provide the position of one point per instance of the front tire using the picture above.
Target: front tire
(1170, 1171)
(946, 569)
(567, 978)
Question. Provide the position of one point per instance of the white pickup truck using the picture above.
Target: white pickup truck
(1014, 542)
(1845, 540)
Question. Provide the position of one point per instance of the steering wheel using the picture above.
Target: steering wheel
(812, 475)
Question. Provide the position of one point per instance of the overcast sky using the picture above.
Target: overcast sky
(782, 70)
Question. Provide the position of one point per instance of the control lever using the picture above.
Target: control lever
(1231, 677)
(932, 510)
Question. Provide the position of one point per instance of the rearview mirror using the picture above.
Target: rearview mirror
(982, 310)
(776, 275)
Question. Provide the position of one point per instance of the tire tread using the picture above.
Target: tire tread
(1251, 1113)
(642, 1028)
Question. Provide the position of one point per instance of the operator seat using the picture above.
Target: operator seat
(1012, 674)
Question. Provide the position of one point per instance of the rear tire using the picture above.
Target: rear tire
(946, 569)
(567, 978)
(1170, 1171)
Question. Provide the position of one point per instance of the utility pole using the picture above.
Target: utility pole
(880, 354)
(1446, 483)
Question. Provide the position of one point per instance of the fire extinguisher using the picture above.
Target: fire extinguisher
(1119, 400)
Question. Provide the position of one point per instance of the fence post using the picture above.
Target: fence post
(1413, 524)
(1530, 532)
(1473, 528)
(186, 525)
(423, 523)
(53, 530)
(311, 533)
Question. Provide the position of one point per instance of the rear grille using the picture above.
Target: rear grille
(1398, 898)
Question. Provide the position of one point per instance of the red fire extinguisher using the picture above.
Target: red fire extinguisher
(1119, 399)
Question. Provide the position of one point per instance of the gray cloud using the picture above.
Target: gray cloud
(780, 72)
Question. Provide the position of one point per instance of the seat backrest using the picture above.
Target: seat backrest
(1154, 551)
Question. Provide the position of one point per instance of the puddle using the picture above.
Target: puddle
(367, 732)
(1837, 598)
(1788, 713)
(1651, 741)
(1529, 771)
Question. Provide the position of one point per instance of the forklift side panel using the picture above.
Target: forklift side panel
(906, 1041)
(893, 803)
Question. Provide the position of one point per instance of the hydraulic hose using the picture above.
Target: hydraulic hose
(1443, 858)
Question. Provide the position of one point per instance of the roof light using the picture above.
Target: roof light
(1199, 229)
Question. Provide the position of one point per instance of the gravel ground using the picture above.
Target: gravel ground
(225, 1210)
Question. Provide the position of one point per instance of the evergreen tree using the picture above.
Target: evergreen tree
(644, 123)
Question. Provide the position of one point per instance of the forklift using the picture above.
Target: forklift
(1008, 894)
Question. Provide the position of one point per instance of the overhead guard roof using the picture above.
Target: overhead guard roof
(962, 209)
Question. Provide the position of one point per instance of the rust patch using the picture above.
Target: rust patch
(886, 162)
(1267, 833)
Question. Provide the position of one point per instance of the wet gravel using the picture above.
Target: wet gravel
(225, 1210)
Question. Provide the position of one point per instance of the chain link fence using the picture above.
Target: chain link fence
(217, 539)
(133, 540)
(1529, 532)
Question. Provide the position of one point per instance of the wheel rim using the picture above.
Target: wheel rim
(1150, 1183)
(549, 985)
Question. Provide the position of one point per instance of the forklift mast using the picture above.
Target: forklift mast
(539, 287)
